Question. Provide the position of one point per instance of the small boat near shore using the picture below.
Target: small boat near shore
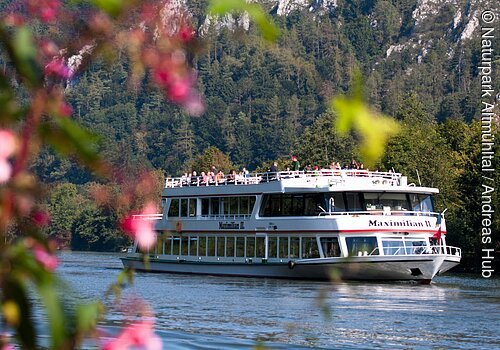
(321, 225)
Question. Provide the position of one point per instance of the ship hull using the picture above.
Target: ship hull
(421, 269)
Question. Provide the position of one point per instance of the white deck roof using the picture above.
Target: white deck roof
(324, 180)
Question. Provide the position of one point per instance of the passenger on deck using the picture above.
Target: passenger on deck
(246, 173)
(231, 178)
(219, 178)
(194, 178)
(295, 164)
(204, 179)
(184, 179)
(273, 168)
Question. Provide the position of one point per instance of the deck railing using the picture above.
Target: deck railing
(333, 176)
(147, 217)
(380, 212)
(418, 250)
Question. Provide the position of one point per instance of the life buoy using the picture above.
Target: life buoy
(178, 227)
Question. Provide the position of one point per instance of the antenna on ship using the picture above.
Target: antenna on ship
(418, 177)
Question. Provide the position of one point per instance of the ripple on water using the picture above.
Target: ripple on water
(206, 312)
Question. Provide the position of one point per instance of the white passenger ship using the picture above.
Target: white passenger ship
(328, 224)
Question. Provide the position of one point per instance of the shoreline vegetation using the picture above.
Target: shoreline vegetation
(100, 100)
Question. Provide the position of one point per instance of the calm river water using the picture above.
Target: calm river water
(206, 312)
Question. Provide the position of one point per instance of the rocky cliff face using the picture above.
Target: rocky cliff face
(463, 20)
(462, 27)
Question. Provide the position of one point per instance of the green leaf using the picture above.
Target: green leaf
(112, 7)
(22, 52)
(220, 7)
(55, 314)
(87, 316)
(69, 138)
(374, 128)
(13, 289)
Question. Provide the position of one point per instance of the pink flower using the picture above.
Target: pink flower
(7, 143)
(141, 228)
(41, 219)
(194, 104)
(161, 77)
(5, 170)
(58, 68)
(137, 335)
(65, 109)
(186, 33)
(179, 90)
(47, 260)
(46, 10)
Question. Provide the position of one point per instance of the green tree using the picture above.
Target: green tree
(212, 156)
(65, 204)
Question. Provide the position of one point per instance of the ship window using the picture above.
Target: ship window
(334, 202)
(271, 205)
(309, 248)
(214, 206)
(184, 246)
(233, 205)
(173, 210)
(193, 245)
(286, 205)
(168, 245)
(230, 246)
(221, 246)
(192, 207)
(273, 247)
(330, 246)
(184, 207)
(312, 203)
(377, 201)
(250, 247)
(159, 246)
(202, 250)
(421, 202)
(294, 247)
(297, 205)
(176, 243)
(225, 205)
(353, 201)
(283, 247)
(393, 247)
(244, 201)
(240, 246)
(361, 246)
(211, 246)
(205, 206)
(260, 247)
(415, 246)
(251, 204)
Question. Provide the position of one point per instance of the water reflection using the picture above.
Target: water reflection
(205, 312)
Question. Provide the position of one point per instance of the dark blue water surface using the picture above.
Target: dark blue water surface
(207, 312)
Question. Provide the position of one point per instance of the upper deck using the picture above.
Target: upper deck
(291, 181)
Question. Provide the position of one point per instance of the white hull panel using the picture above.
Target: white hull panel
(374, 268)
(449, 263)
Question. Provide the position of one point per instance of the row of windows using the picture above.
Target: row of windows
(301, 204)
(248, 246)
(213, 206)
(312, 204)
(284, 247)
(182, 207)
(235, 206)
